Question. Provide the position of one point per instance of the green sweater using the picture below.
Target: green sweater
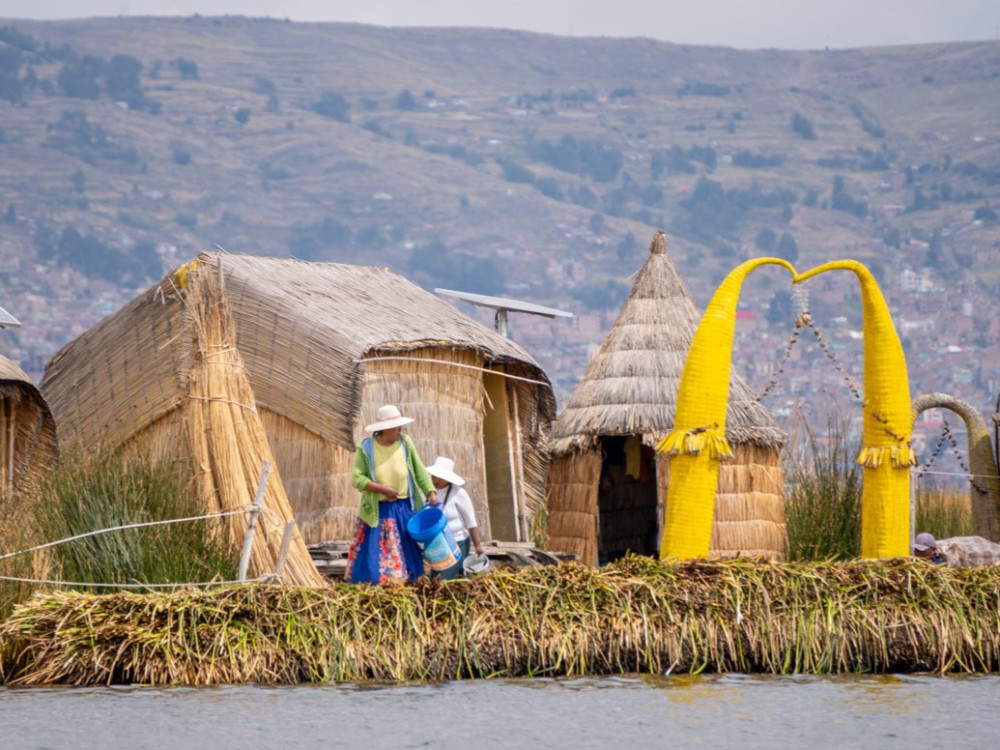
(364, 472)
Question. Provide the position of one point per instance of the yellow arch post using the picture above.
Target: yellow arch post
(698, 440)
(886, 454)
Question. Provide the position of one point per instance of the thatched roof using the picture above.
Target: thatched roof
(630, 387)
(295, 318)
(15, 383)
(32, 425)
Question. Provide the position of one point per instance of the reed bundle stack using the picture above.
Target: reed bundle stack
(607, 487)
(635, 615)
(27, 431)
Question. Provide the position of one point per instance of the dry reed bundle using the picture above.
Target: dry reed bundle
(227, 439)
(636, 615)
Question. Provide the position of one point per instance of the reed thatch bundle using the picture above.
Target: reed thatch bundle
(635, 615)
(227, 440)
(630, 389)
(27, 431)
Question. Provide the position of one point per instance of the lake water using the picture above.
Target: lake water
(717, 711)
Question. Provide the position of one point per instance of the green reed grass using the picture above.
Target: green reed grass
(97, 491)
(823, 495)
(635, 615)
(941, 511)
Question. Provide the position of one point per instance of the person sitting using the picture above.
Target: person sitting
(457, 507)
(956, 551)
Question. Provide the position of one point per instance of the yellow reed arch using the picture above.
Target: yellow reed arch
(886, 452)
(697, 442)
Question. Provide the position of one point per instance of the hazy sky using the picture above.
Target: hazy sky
(747, 24)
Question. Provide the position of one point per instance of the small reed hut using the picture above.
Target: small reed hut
(607, 486)
(321, 346)
(27, 431)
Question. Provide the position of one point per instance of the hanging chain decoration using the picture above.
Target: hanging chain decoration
(805, 320)
(947, 437)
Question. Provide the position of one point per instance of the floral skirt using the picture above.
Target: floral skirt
(386, 552)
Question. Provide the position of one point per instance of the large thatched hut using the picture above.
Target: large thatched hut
(27, 431)
(607, 486)
(322, 345)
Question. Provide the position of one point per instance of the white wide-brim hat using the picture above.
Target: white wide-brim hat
(444, 468)
(386, 418)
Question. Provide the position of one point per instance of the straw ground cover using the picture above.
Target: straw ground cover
(633, 616)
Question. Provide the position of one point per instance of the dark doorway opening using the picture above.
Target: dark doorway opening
(626, 499)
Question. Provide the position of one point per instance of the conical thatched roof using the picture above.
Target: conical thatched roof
(630, 387)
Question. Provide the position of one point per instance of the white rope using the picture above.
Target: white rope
(221, 514)
(421, 360)
(953, 473)
(133, 585)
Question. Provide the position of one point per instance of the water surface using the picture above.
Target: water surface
(718, 711)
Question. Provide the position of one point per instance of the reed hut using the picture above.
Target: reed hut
(322, 345)
(28, 442)
(607, 486)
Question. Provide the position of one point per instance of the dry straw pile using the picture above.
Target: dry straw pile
(636, 615)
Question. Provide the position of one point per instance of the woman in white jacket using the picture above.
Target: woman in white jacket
(457, 506)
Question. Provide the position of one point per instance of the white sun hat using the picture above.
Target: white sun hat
(444, 468)
(386, 418)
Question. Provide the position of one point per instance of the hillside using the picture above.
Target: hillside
(509, 163)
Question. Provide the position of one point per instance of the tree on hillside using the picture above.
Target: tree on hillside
(788, 248)
(187, 68)
(11, 87)
(802, 126)
(405, 101)
(332, 105)
(121, 79)
(766, 240)
(841, 200)
(78, 77)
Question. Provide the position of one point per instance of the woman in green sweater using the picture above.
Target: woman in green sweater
(390, 477)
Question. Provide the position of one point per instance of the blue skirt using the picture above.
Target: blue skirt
(386, 552)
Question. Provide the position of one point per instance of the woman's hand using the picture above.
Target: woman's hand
(432, 498)
(389, 492)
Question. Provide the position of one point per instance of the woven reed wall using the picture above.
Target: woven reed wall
(124, 373)
(534, 436)
(572, 503)
(317, 478)
(27, 432)
(446, 404)
(749, 514)
(749, 518)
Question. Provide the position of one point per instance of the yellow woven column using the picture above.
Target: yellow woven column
(698, 440)
(886, 453)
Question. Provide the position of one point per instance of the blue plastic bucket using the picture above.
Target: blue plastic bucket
(429, 529)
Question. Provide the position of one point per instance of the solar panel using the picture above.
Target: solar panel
(503, 305)
(7, 320)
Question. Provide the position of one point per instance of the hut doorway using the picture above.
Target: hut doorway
(502, 486)
(626, 499)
